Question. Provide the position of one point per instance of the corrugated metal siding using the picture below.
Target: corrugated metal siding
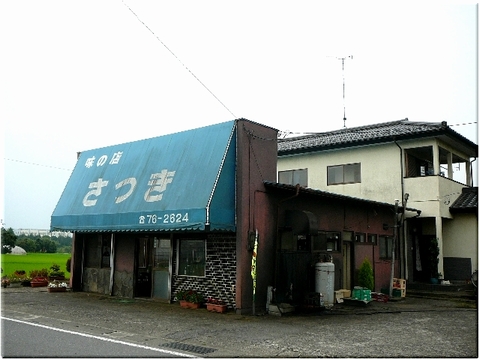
(162, 183)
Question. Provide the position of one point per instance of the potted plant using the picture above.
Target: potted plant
(57, 286)
(191, 299)
(16, 279)
(20, 277)
(39, 278)
(216, 305)
(433, 251)
(55, 273)
(365, 275)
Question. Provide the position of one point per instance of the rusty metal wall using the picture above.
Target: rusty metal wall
(256, 162)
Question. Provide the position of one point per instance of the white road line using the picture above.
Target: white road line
(174, 353)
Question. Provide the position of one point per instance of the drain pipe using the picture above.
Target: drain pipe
(404, 238)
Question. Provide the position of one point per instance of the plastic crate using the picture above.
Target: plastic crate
(399, 283)
(356, 293)
(399, 292)
(361, 293)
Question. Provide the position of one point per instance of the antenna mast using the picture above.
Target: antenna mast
(343, 78)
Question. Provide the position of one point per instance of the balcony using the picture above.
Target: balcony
(433, 194)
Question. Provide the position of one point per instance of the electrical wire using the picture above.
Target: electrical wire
(176, 57)
(31, 163)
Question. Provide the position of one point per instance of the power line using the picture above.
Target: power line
(31, 163)
(463, 124)
(176, 57)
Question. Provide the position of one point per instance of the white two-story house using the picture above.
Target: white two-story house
(425, 166)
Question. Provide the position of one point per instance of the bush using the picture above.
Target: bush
(365, 275)
(40, 273)
(69, 264)
(55, 271)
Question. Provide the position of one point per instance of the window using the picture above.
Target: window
(386, 243)
(161, 254)
(293, 177)
(419, 161)
(343, 174)
(333, 241)
(372, 238)
(191, 257)
(360, 237)
(366, 239)
(93, 251)
(106, 250)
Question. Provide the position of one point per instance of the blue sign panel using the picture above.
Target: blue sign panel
(182, 181)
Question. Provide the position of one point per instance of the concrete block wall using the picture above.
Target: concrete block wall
(220, 273)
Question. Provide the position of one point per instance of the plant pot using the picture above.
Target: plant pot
(56, 289)
(216, 308)
(188, 305)
(39, 281)
(15, 284)
(433, 280)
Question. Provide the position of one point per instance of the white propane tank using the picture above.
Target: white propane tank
(325, 281)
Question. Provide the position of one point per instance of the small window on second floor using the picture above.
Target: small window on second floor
(343, 174)
(293, 177)
(386, 245)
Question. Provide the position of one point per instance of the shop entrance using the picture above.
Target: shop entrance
(162, 254)
(143, 267)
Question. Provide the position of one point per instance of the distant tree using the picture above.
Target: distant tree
(45, 245)
(9, 240)
(27, 244)
(63, 240)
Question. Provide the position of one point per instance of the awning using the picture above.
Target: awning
(182, 181)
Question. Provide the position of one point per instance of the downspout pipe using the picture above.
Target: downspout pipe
(403, 259)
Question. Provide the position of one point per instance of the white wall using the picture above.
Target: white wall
(460, 238)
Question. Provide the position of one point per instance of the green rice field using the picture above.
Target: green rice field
(33, 261)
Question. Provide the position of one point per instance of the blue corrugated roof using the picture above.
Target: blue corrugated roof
(182, 181)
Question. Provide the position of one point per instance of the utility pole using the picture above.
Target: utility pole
(395, 227)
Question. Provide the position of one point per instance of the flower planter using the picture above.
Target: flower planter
(188, 305)
(216, 308)
(56, 289)
(15, 284)
(39, 281)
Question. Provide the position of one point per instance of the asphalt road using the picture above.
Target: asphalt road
(23, 339)
(410, 328)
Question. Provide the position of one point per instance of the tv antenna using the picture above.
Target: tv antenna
(343, 78)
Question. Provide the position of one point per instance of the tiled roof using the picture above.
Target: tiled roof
(327, 194)
(376, 133)
(467, 201)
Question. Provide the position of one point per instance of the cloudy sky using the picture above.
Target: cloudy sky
(79, 75)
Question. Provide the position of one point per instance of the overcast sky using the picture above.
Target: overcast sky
(78, 75)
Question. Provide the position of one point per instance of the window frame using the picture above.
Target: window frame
(335, 238)
(333, 173)
(294, 173)
(180, 263)
(106, 251)
(385, 243)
